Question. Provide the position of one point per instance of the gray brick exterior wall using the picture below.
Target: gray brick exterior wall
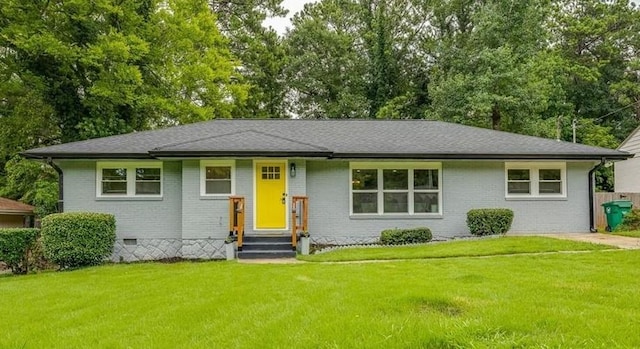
(135, 218)
(184, 224)
(466, 185)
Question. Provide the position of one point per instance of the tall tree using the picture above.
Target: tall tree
(487, 54)
(353, 58)
(77, 69)
(260, 50)
(106, 67)
(599, 41)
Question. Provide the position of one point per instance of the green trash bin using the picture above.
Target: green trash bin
(615, 211)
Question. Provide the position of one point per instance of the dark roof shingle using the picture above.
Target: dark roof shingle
(419, 139)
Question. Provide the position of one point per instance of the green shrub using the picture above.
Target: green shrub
(78, 239)
(630, 221)
(15, 246)
(405, 236)
(489, 221)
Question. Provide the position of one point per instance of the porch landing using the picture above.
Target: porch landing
(272, 246)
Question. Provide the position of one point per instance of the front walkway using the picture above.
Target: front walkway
(623, 242)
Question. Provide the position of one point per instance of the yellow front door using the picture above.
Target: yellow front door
(271, 195)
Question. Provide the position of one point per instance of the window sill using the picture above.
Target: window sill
(215, 197)
(129, 198)
(396, 216)
(536, 198)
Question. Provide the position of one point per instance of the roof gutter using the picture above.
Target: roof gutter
(60, 184)
(592, 181)
(452, 156)
(87, 156)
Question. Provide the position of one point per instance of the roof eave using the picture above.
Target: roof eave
(451, 156)
(137, 156)
(16, 212)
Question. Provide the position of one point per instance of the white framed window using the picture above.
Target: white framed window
(129, 179)
(536, 179)
(392, 188)
(217, 177)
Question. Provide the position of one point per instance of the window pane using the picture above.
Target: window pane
(114, 188)
(219, 172)
(550, 188)
(147, 188)
(550, 175)
(425, 179)
(147, 174)
(396, 202)
(364, 180)
(395, 179)
(365, 203)
(218, 187)
(518, 175)
(519, 188)
(425, 202)
(114, 174)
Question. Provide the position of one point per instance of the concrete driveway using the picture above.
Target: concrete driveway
(624, 242)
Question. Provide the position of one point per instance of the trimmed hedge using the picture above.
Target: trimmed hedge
(405, 236)
(630, 221)
(78, 239)
(489, 221)
(15, 245)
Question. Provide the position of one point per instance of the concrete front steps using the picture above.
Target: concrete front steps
(266, 247)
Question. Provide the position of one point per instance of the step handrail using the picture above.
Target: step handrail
(299, 217)
(236, 219)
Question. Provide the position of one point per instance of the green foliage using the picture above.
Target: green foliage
(78, 239)
(262, 52)
(143, 64)
(357, 59)
(405, 236)
(32, 182)
(630, 221)
(15, 246)
(489, 221)
(488, 78)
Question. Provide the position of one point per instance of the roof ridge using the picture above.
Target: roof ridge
(292, 140)
(197, 139)
(236, 133)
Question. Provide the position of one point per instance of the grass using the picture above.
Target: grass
(461, 248)
(553, 300)
(633, 234)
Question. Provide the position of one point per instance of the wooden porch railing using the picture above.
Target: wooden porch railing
(236, 218)
(299, 217)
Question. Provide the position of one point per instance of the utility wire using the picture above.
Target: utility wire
(617, 110)
(574, 122)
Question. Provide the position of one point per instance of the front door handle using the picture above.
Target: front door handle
(284, 198)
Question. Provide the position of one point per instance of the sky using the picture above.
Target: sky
(280, 24)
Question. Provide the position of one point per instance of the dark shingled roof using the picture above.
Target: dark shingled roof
(375, 139)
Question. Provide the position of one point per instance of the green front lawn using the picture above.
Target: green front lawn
(633, 234)
(460, 248)
(585, 300)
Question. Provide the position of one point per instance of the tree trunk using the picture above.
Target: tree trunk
(495, 118)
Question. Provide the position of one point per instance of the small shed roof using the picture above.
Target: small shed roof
(8, 206)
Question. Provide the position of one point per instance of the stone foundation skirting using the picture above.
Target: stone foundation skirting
(342, 240)
(133, 250)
